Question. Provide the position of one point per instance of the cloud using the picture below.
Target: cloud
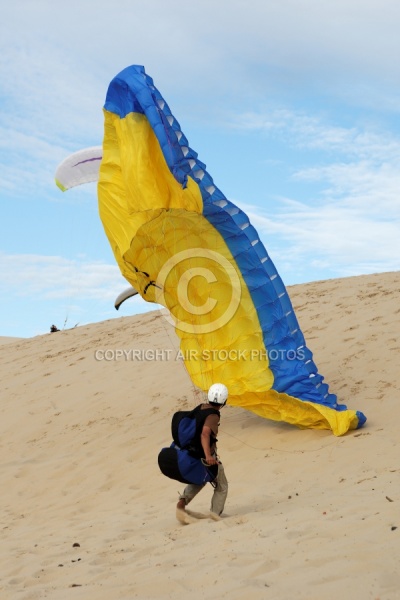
(228, 45)
(55, 277)
(334, 242)
(37, 290)
(54, 78)
(307, 131)
(348, 224)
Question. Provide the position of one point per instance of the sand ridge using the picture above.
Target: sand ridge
(86, 512)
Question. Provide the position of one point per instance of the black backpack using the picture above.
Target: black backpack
(186, 428)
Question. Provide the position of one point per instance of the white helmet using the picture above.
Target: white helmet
(218, 394)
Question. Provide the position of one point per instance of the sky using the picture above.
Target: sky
(293, 105)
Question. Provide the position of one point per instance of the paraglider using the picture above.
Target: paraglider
(181, 243)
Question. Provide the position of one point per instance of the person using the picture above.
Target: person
(53, 329)
(217, 397)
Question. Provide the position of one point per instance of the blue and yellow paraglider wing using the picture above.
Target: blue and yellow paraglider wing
(180, 242)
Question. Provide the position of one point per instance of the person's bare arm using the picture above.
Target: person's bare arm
(205, 442)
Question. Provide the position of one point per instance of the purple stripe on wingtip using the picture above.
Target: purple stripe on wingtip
(88, 160)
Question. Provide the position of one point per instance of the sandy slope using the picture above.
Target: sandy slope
(8, 340)
(309, 516)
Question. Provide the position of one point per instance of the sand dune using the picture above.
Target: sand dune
(8, 340)
(86, 513)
